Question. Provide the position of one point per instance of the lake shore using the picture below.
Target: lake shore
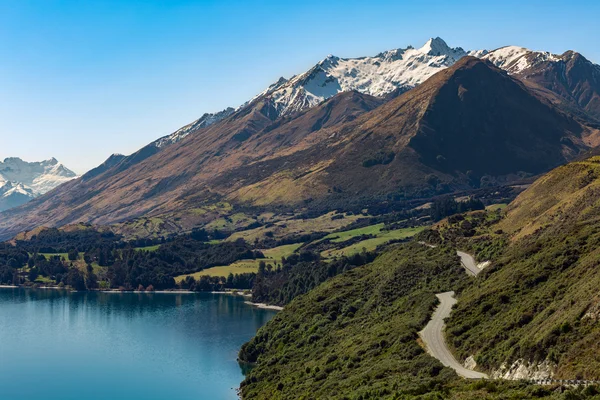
(264, 306)
(152, 291)
(228, 292)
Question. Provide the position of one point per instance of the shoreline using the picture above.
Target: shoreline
(144, 291)
(264, 306)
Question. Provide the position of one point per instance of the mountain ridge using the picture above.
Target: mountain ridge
(350, 147)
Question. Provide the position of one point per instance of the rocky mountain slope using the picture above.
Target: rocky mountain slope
(467, 126)
(568, 80)
(21, 181)
(398, 69)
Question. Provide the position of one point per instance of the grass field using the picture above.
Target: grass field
(346, 235)
(148, 248)
(230, 223)
(282, 251)
(62, 255)
(273, 256)
(494, 207)
(371, 244)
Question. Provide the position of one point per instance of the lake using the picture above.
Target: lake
(87, 346)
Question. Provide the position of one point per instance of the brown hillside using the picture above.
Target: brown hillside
(468, 125)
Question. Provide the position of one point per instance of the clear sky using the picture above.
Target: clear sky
(82, 79)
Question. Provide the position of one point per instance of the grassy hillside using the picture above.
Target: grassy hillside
(355, 337)
(540, 300)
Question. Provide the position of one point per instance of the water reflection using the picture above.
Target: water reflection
(145, 345)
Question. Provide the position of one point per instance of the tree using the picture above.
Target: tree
(73, 254)
(75, 279)
(33, 274)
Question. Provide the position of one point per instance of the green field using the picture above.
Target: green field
(148, 248)
(238, 267)
(371, 244)
(494, 207)
(272, 256)
(346, 235)
(62, 255)
(282, 251)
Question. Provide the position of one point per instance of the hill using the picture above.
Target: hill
(355, 337)
(536, 309)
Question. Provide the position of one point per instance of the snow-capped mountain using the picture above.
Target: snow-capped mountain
(568, 79)
(395, 70)
(516, 60)
(376, 76)
(21, 181)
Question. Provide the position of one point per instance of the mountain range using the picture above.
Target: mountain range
(21, 181)
(406, 123)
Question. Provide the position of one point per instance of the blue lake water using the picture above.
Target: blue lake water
(88, 346)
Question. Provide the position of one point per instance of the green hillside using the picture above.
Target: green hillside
(540, 300)
(355, 337)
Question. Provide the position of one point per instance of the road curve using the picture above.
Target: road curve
(433, 337)
(469, 263)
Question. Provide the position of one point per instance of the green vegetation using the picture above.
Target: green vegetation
(277, 253)
(231, 222)
(272, 256)
(237, 267)
(356, 333)
(148, 248)
(296, 227)
(346, 235)
(382, 237)
(495, 207)
(539, 300)
(355, 337)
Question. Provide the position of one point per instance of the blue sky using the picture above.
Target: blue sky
(80, 80)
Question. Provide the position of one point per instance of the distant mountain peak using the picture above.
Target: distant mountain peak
(435, 47)
(20, 181)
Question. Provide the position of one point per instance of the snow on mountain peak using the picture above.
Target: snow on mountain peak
(515, 59)
(377, 76)
(21, 180)
(435, 47)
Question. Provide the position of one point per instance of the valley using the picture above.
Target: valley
(425, 220)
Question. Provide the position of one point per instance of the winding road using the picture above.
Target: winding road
(469, 263)
(433, 337)
(433, 333)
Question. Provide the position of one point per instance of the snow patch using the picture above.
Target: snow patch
(37, 177)
(376, 76)
(516, 59)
